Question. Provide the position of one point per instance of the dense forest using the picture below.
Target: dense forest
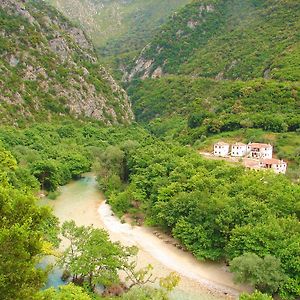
(223, 70)
(201, 111)
(233, 212)
(43, 156)
(216, 210)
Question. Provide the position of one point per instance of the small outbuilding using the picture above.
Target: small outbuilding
(278, 166)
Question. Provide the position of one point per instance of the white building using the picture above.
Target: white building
(238, 150)
(221, 149)
(257, 150)
(278, 166)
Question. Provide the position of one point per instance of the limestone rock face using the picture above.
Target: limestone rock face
(48, 66)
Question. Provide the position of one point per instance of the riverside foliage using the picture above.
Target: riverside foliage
(217, 211)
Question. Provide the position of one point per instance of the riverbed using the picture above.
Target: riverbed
(82, 202)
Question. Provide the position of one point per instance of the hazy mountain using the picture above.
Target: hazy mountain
(118, 26)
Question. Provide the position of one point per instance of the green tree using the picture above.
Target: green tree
(25, 230)
(46, 171)
(91, 257)
(67, 292)
(265, 274)
(255, 296)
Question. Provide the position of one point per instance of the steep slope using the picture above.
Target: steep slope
(224, 69)
(48, 67)
(227, 39)
(118, 26)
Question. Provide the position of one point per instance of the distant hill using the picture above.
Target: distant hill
(49, 67)
(118, 26)
(227, 39)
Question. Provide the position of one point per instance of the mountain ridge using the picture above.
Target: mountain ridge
(50, 67)
(226, 40)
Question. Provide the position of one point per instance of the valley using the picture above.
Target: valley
(108, 110)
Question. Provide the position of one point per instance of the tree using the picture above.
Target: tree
(67, 292)
(91, 257)
(255, 296)
(265, 274)
(25, 228)
(76, 164)
(46, 172)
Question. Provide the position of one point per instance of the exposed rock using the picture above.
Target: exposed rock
(80, 38)
(179, 33)
(207, 8)
(267, 72)
(142, 66)
(220, 76)
(157, 73)
(192, 24)
(13, 61)
(62, 63)
(60, 46)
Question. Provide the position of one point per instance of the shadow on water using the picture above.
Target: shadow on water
(54, 277)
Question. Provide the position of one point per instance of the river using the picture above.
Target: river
(82, 202)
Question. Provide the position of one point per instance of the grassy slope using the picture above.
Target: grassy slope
(200, 111)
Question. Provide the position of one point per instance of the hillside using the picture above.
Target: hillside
(48, 67)
(229, 39)
(223, 70)
(118, 26)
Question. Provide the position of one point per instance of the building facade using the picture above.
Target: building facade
(258, 150)
(255, 156)
(239, 150)
(278, 166)
(221, 149)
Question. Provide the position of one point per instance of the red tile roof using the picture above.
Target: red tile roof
(259, 145)
(272, 161)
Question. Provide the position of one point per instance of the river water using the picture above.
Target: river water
(82, 202)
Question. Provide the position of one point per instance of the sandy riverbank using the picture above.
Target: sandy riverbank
(82, 202)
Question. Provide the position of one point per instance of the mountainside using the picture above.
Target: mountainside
(225, 70)
(118, 26)
(226, 39)
(49, 67)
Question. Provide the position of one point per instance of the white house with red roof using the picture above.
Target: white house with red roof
(256, 156)
(221, 149)
(278, 166)
(258, 150)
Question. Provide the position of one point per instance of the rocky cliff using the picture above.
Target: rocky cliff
(48, 66)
